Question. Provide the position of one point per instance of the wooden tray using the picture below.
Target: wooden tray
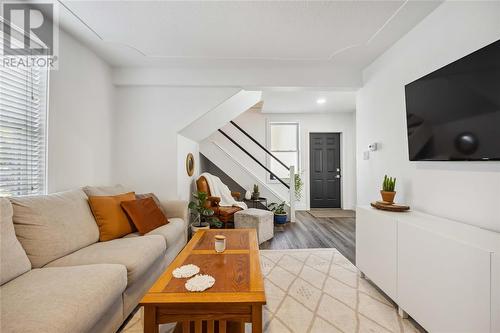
(389, 207)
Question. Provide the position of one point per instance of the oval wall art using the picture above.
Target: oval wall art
(190, 164)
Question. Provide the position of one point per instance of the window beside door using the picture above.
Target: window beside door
(283, 142)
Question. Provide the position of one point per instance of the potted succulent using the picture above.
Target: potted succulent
(280, 216)
(255, 194)
(387, 191)
(203, 216)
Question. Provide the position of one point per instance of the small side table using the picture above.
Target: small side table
(254, 202)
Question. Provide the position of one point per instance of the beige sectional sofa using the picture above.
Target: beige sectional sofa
(57, 277)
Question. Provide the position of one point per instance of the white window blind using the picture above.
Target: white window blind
(23, 94)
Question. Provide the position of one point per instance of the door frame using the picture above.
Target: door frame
(307, 165)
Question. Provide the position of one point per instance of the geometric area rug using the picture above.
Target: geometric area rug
(317, 291)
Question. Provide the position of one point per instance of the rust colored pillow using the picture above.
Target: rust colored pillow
(145, 214)
(110, 217)
(155, 198)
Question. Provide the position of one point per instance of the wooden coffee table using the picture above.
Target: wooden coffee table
(236, 297)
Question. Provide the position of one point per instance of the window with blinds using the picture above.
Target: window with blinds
(23, 94)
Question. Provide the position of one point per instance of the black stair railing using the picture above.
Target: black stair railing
(253, 157)
(258, 144)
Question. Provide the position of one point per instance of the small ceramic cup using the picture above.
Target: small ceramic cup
(220, 243)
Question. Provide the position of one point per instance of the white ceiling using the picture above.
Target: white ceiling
(305, 101)
(241, 33)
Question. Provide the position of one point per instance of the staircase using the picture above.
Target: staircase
(219, 137)
(219, 150)
(219, 116)
(207, 166)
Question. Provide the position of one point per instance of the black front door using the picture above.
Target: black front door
(324, 156)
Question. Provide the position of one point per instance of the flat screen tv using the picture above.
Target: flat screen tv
(453, 114)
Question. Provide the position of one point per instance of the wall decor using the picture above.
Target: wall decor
(190, 164)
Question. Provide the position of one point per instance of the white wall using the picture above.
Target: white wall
(80, 118)
(255, 123)
(147, 121)
(463, 191)
(101, 134)
(185, 183)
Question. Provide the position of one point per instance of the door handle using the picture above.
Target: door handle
(337, 176)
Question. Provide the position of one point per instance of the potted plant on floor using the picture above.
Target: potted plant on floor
(387, 191)
(203, 216)
(280, 216)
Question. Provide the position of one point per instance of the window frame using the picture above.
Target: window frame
(269, 124)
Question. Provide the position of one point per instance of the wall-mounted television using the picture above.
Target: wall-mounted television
(453, 113)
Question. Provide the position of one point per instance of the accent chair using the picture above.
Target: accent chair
(224, 213)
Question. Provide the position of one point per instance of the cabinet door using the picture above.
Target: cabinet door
(376, 248)
(495, 292)
(443, 283)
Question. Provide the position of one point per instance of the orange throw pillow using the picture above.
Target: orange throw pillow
(145, 214)
(110, 217)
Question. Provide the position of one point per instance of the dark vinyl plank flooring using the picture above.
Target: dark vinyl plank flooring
(315, 232)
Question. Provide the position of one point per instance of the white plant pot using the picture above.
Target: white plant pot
(248, 195)
(204, 226)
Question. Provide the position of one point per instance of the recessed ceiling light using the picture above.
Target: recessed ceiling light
(321, 101)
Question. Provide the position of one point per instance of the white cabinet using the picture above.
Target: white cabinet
(495, 287)
(442, 282)
(444, 274)
(376, 242)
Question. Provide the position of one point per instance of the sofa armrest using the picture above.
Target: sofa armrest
(176, 209)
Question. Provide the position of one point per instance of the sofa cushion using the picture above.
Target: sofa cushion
(134, 292)
(170, 232)
(105, 190)
(13, 259)
(51, 226)
(155, 198)
(64, 299)
(137, 254)
(110, 217)
(145, 214)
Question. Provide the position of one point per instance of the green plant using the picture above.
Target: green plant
(277, 208)
(299, 184)
(202, 213)
(255, 188)
(389, 184)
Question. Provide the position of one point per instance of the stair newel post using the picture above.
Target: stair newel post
(292, 193)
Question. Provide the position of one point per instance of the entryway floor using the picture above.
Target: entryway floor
(332, 212)
(316, 232)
